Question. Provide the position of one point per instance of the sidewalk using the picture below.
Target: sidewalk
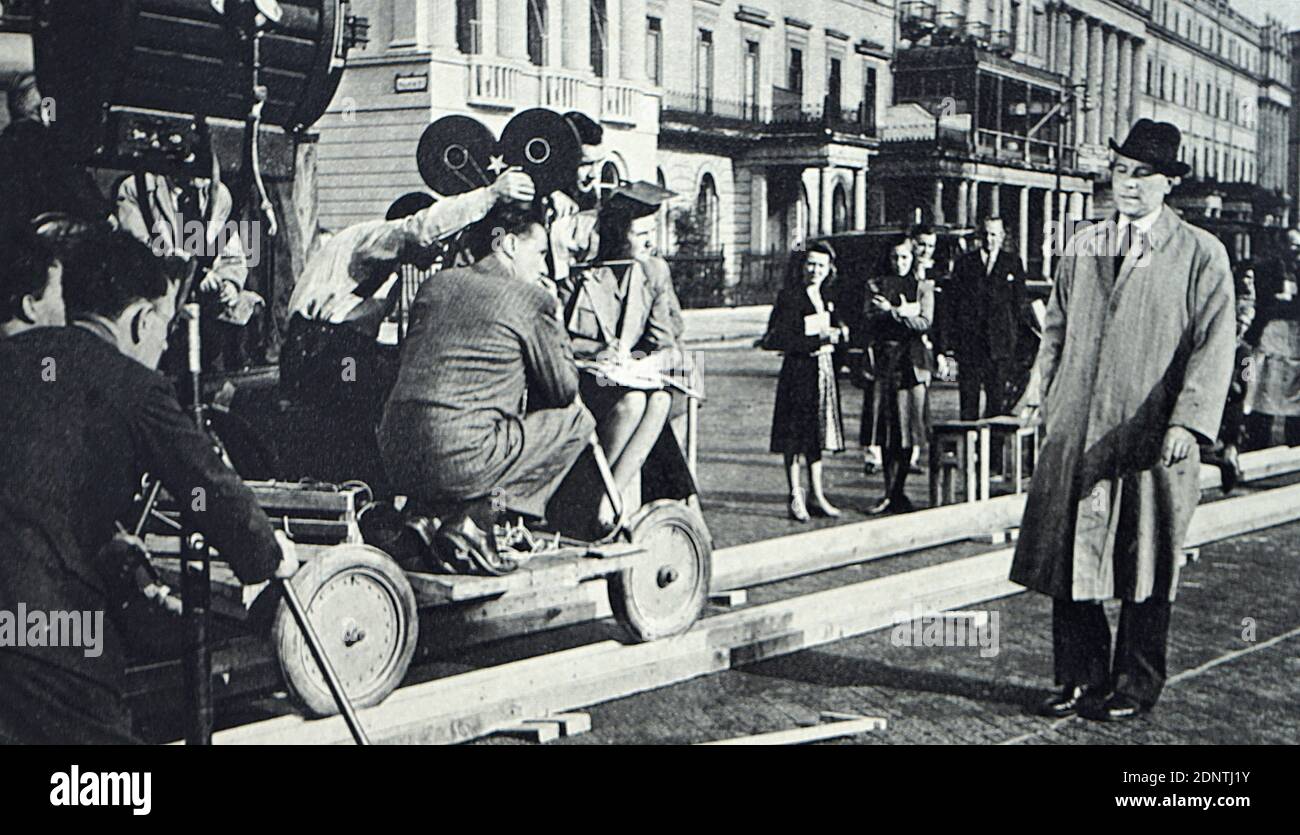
(717, 326)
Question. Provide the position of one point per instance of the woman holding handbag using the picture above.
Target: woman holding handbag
(806, 418)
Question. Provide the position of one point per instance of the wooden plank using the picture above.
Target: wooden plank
(572, 724)
(463, 707)
(729, 599)
(807, 553)
(567, 567)
(815, 733)
(540, 732)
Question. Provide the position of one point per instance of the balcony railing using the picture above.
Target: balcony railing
(1003, 42)
(1009, 147)
(787, 114)
(493, 84)
(560, 90)
(916, 19)
(948, 28)
(618, 102)
(977, 32)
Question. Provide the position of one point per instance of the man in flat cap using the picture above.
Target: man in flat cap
(1136, 357)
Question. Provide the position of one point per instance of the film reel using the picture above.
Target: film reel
(455, 155)
(545, 146)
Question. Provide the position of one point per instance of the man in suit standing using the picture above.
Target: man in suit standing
(985, 314)
(84, 414)
(1136, 358)
(485, 416)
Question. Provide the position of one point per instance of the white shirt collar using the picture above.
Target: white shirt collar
(1143, 223)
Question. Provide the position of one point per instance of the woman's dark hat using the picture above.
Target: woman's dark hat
(638, 199)
(1156, 144)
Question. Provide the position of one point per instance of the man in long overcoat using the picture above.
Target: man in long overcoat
(1136, 358)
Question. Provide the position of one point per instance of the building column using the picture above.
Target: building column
(613, 39)
(632, 41)
(576, 28)
(1024, 224)
(1094, 76)
(1078, 71)
(1139, 76)
(758, 242)
(995, 200)
(1088, 206)
(512, 29)
(825, 199)
(859, 199)
(936, 202)
(487, 28)
(973, 212)
(440, 23)
(1050, 229)
(1124, 99)
(963, 203)
(1064, 32)
(1110, 86)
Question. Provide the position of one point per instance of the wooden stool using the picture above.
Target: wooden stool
(1016, 435)
(959, 447)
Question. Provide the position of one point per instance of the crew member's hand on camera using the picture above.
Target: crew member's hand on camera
(288, 556)
(210, 283)
(513, 184)
(881, 303)
(229, 293)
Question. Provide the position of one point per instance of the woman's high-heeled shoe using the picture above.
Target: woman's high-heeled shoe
(820, 506)
(798, 512)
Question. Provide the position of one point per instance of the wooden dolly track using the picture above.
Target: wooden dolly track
(469, 705)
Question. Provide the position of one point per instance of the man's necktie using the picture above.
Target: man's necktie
(1122, 246)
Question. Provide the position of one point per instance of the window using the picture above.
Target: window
(537, 32)
(704, 69)
(1149, 71)
(1014, 26)
(794, 80)
(1162, 81)
(599, 44)
(833, 89)
(654, 51)
(468, 26)
(751, 79)
(706, 212)
(868, 114)
(1039, 33)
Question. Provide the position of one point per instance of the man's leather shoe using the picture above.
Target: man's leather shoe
(885, 505)
(1067, 702)
(1118, 708)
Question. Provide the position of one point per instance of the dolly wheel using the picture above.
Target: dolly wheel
(663, 593)
(364, 611)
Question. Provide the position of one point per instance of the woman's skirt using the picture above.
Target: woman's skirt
(895, 408)
(806, 417)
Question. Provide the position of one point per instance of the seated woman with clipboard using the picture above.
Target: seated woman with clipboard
(622, 329)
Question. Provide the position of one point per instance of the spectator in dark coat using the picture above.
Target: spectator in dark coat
(84, 415)
(806, 419)
(986, 310)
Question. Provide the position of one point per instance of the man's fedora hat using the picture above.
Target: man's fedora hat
(1156, 144)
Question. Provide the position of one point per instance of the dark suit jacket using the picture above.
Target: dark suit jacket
(985, 311)
(79, 424)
